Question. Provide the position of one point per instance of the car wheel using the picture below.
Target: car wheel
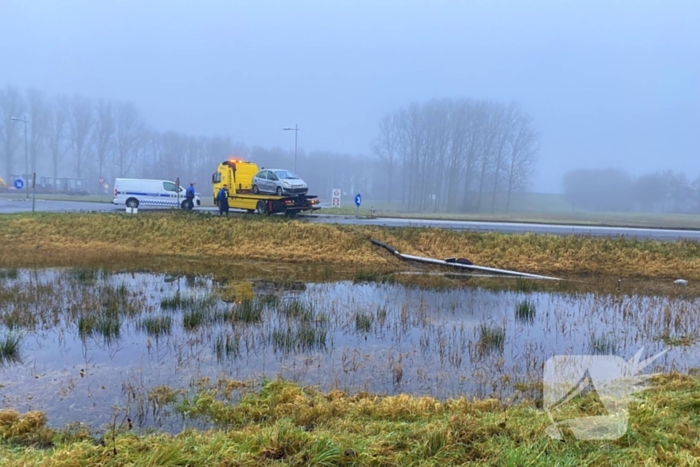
(132, 203)
(255, 189)
(279, 191)
(183, 205)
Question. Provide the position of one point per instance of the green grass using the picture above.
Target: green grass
(156, 326)
(491, 339)
(10, 350)
(525, 311)
(284, 424)
(603, 344)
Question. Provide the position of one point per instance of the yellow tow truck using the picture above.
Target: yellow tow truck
(238, 175)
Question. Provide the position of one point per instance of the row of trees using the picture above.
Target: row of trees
(617, 190)
(440, 155)
(456, 154)
(81, 138)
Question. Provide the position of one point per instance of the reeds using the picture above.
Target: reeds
(156, 326)
(525, 311)
(10, 349)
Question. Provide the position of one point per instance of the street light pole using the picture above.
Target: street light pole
(26, 153)
(296, 132)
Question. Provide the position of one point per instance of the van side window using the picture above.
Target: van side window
(169, 186)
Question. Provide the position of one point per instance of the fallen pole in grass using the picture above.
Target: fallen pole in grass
(459, 264)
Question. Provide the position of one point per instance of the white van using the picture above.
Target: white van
(135, 192)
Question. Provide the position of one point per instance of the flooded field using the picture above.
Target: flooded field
(86, 346)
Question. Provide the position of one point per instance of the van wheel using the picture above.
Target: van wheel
(255, 189)
(132, 203)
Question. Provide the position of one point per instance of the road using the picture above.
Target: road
(13, 206)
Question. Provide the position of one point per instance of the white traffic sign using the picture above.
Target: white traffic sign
(336, 202)
(336, 193)
(101, 180)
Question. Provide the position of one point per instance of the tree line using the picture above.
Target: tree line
(77, 137)
(456, 154)
(616, 190)
(448, 154)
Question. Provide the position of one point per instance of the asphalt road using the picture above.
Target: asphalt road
(13, 206)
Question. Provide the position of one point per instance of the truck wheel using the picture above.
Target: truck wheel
(132, 203)
(279, 191)
(261, 207)
(255, 189)
(292, 214)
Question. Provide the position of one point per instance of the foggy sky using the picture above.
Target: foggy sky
(609, 83)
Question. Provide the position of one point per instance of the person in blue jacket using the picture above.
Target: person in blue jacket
(189, 196)
(223, 200)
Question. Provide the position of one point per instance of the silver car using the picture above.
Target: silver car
(279, 182)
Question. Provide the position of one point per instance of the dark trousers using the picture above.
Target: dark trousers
(190, 203)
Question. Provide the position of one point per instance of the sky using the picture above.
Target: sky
(608, 83)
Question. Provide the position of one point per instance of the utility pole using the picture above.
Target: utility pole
(26, 152)
(296, 132)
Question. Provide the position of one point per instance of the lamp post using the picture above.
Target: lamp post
(26, 153)
(296, 132)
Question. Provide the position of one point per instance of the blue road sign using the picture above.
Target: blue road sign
(358, 200)
(19, 183)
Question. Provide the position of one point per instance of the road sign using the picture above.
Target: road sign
(358, 200)
(101, 180)
(106, 186)
(336, 202)
(336, 193)
(19, 184)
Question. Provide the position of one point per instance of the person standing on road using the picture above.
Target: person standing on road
(223, 200)
(189, 196)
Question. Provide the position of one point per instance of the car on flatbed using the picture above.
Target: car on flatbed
(279, 182)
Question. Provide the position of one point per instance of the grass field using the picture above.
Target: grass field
(284, 424)
(61, 239)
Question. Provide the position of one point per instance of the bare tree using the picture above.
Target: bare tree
(386, 147)
(130, 137)
(103, 136)
(38, 114)
(80, 126)
(57, 131)
(524, 144)
(11, 105)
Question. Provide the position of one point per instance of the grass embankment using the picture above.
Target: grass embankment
(154, 239)
(283, 424)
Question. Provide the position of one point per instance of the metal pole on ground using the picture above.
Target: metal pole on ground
(33, 190)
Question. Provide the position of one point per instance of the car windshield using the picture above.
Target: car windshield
(285, 174)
